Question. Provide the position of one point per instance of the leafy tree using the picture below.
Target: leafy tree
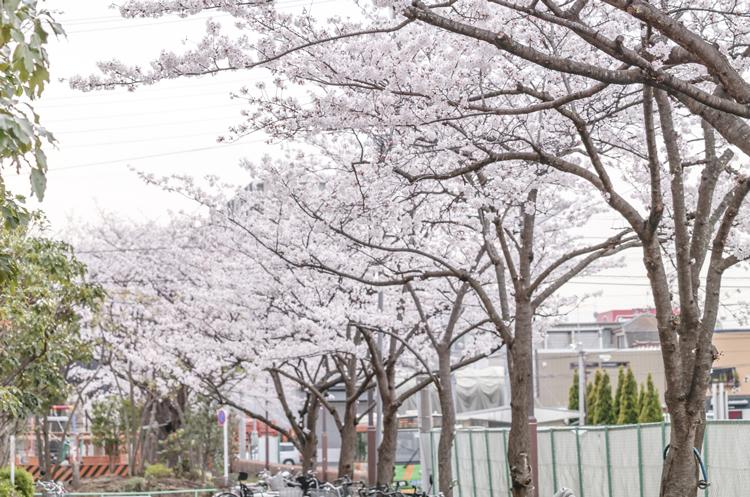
(24, 31)
(573, 393)
(628, 401)
(651, 411)
(107, 426)
(41, 312)
(604, 412)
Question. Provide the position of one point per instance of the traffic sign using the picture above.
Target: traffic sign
(221, 417)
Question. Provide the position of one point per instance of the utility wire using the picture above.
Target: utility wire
(152, 156)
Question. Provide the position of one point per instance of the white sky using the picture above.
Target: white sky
(172, 128)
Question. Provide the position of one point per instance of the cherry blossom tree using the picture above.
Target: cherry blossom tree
(646, 104)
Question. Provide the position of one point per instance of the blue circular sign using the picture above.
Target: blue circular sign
(221, 417)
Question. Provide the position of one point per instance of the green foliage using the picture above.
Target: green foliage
(628, 401)
(41, 311)
(135, 484)
(7, 490)
(651, 411)
(573, 393)
(591, 390)
(641, 398)
(157, 471)
(197, 444)
(24, 70)
(23, 480)
(107, 425)
(618, 392)
(604, 412)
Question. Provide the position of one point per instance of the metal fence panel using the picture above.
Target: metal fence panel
(616, 461)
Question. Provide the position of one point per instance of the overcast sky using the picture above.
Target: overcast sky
(172, 128)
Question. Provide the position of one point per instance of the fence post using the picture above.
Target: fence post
(507, 466)
(580, 465)
(554, 459)
(435, 480)
(489, 466)
(705, 454)
(663, 433)
(609, 460)
(473, 475)
(640, 460)
(457, 472)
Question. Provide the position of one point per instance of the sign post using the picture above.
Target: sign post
(12, 460)
(221, 417)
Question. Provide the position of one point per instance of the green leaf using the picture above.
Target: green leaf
(38, 183)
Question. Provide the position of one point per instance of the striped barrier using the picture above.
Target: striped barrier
(65, 473)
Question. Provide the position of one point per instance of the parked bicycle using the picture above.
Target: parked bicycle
(51, 488)
(260, 489)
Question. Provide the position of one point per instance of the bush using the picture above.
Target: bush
(135, 484)
(7, 490)
(157, 471)
(24, 481)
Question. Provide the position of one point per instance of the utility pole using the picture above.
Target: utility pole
(226, 452)
(268, 433)
(242, 451)
(379, 419)
(12, 460)
(425, 447)
(581, 385)
(533, 432)
(371, 457)
(324, 443)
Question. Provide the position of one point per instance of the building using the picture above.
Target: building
(629, 338)
(611, 330)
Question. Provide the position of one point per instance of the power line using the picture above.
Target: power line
(144, 140)
(139, 126)
(149, 113)
(136, 98)
(152, 156)
(148, 89)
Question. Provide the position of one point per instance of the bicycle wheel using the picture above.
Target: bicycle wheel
(226, 494)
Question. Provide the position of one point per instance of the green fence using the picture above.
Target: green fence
(597, 461)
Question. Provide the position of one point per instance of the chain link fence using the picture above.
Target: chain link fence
(597, 461)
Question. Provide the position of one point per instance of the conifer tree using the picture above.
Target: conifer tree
(651, 411)
(573, 393)
(618, 392)
(591, 390)
(641, 398)
(604, 413)
(629, 401)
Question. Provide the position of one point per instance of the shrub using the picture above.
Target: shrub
(157, 471)
(135, 484)
(7, 490)
(24, 481)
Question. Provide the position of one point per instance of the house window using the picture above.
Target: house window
(558, 340)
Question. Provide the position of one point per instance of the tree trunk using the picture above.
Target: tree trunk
(348, 440)
(6, 428)
(309, 449)
(75, 461)
(680, 471)
(388, 443)
(447, 424)
(520, 371)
